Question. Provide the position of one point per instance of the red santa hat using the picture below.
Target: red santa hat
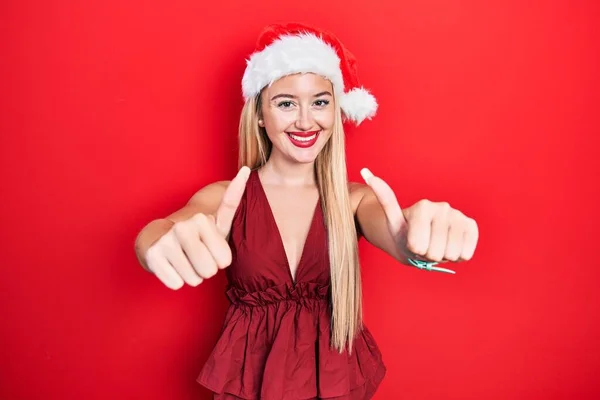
(293, 48)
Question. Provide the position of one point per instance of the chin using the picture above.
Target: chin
(306, 155)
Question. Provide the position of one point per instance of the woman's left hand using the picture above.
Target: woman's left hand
(427, 231)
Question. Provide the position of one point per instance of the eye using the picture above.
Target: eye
(321, 103)
(285, 104)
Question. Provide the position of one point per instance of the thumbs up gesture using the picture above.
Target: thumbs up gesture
(427, 231)
(195, 249)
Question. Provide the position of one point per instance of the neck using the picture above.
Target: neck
(281, 171)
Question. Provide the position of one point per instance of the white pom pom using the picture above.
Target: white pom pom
(358, 104)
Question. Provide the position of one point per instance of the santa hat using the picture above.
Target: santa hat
(293, 48)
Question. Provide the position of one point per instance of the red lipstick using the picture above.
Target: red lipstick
(303, 139)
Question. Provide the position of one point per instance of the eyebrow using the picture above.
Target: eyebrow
(291, 96)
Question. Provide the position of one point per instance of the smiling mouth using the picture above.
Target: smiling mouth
(303, 139)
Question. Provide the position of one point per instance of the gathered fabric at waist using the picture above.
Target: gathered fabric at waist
(301, 292)
(275, 344)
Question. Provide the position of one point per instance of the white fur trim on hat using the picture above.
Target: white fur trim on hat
(288, 55)
(358, 104)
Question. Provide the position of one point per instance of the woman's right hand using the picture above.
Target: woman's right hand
(195, 249)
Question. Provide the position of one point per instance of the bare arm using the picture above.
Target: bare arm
(205, 201)
(372, 220)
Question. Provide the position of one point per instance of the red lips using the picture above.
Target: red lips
(303, 144)
(303, 134)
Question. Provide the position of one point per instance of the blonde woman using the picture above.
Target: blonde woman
(285, 230)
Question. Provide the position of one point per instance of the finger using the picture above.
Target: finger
(386, 197)
(187, 236)
(419, 224)
(199, 256)
(165, 272)
(183, 267)
(214, 242)
(455, 242)
(417, 257)
(439, 237)
(231, 200)
(471, 236)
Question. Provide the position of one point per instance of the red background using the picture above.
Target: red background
(114, 113)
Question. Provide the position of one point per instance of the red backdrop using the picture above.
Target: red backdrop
(114, 113)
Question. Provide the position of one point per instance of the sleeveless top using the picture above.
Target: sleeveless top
(275, 340)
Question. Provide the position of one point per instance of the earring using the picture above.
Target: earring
(261, 122)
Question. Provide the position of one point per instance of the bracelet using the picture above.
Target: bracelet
(429, 266)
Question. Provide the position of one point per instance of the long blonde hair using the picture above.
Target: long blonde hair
(332, 180)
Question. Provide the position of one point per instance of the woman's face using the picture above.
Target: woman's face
(298, 114)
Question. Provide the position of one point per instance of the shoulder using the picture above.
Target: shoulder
(210, 194)
(357, 192)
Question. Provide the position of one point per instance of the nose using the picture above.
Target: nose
(305, 119)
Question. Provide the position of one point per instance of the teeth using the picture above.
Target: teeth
(301, 139)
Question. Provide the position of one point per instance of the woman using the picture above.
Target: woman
(287, 228)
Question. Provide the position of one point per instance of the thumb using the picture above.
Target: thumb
(231, 200)
(386, 197)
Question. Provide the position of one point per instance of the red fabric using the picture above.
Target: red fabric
(275, 341)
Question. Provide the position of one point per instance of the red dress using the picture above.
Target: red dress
(275, 341)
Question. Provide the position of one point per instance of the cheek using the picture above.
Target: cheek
(278, 122)
(275, 125)
(325, 120)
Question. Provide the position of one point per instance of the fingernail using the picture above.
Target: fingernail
(245, 171)
(366, 174)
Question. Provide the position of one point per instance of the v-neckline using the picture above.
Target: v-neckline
(281, 244)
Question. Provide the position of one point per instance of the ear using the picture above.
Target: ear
(259, 113)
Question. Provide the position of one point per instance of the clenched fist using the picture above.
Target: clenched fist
(428, 231)
(195, 249)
